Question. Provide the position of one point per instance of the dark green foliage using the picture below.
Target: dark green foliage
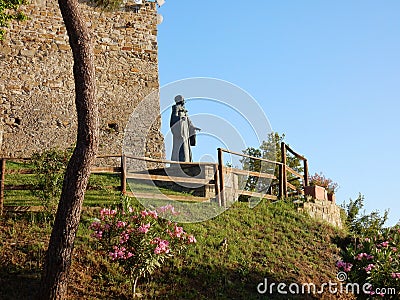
(49, 168)
(370, 252)
(269, 150)
(361, 224)
(8, 11)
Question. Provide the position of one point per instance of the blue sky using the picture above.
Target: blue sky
(327, 74)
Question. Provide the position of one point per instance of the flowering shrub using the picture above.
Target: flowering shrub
(321, 180)
(375, 261)
(139, 241)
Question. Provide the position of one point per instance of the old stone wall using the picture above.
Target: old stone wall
(324, 210)
(37, 87)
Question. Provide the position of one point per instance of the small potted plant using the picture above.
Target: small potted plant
(331, 190)
(321, 188)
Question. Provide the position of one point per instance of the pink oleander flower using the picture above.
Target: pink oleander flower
(124, 237)
(360, 256)
(340, 264)
(95, 225)
(191, 239)
(166, 208)
(153, 214)
(144, 228)
(369, 268)
(178, 231)
(162, 246)
(396, 275)
(98, 234)
(394, 249)
(119, 253)
(150, 213)
(107, 212)
(121, 224)
(367, 239)
(348, 267)
(345, 266)
(384, 244)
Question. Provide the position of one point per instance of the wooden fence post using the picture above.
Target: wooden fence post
(2, 176)
(284, 178)
(280, 180)
(221, 177)
(123, 174)
(216, 184)
(305, 172)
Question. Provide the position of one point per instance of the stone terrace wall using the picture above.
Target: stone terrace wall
(324, 210)
(37, 87)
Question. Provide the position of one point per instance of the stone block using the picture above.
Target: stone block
(28, 53)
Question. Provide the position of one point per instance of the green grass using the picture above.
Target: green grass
(103, 188)
(271, 241)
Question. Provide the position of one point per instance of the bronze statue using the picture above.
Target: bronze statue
(183, 131)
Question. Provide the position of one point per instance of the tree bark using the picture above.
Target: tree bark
(58, 258)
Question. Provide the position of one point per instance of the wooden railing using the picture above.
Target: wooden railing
(285, 186)
(286, 183)
(122, 171)
(216, 179)
(164, 164)
(230, 170)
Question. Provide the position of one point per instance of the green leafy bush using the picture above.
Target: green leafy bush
(371, 255)
(374, 263)
(49, 167)
(139, 241)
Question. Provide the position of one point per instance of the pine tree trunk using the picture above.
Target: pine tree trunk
(58, 258)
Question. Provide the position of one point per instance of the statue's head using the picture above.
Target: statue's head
(179, 99)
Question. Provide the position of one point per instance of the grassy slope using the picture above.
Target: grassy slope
(270, 241)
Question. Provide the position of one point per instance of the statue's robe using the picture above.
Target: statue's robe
(181, 128)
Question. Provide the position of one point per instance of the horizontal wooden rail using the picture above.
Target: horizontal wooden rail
(106, 170)
(167, 178)
(293, 187)
(290, 170)
(20, 172)
(109, 156)
(257, 195)
(249, 156)
(161, 196)
(20, 187)
(16, 158)
(249, 173)
(172, 162)
(25, 208)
